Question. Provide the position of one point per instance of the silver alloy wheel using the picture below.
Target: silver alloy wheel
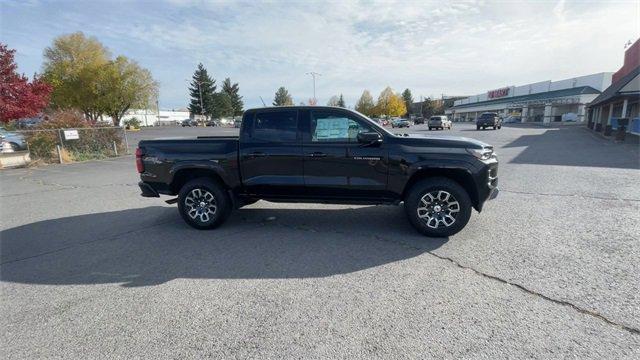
(438, 208)
(200, 204)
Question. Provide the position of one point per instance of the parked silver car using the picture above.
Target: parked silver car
(16, 140)
(439, 122)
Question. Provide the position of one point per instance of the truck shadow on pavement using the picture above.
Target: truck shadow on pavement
(150, 246)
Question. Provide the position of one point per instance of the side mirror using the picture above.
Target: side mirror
(369, 138)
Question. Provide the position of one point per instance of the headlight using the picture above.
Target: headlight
(482, 154)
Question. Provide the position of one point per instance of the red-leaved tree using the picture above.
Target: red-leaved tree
(19, 98)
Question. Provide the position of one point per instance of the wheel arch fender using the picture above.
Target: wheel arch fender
(458, 171)
(182, 172)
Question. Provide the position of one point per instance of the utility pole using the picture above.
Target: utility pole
(201, 105)
(158, 109)
(313, 75)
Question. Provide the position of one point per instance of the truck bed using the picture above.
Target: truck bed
(164, 158)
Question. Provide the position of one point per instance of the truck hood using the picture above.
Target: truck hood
(441, 141)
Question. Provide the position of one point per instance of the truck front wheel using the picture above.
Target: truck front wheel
(203, 203)
(438, 207)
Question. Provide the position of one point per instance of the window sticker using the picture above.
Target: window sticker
(332, 128)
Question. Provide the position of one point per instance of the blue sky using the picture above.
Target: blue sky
(432, 48)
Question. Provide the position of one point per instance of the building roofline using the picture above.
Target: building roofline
(614, 90)
(296, 107)
(580, 90)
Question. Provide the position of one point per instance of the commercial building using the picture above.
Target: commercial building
(545, 101)
(621, 100)
(151, 117)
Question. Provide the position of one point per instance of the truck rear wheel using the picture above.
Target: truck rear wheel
(203, 203)
(438, 207)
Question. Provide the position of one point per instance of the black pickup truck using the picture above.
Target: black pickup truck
(321, 155)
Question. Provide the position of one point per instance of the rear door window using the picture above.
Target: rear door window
(275, 126)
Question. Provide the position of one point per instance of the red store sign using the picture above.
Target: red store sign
(498, 93)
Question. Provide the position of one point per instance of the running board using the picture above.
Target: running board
(172, 201)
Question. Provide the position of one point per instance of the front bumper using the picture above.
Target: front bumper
(147, 190)
(487, 180)
(493, 193)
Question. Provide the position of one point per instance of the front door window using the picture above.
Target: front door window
(334, 127)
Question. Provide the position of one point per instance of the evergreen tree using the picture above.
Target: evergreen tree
(282, 98)
(201, 90)
(408, 100)
(365, 104)
(232, 91)
(341, 102)
(432, 107)
(221, 105)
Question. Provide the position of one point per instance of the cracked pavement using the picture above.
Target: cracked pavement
(549, 269)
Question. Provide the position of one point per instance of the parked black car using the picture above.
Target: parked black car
(210, 123)
(189, 122)
(418, 120)
(326, 155)
(489, 119)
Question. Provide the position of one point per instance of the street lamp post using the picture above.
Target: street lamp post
(313, 75)
(201, 104)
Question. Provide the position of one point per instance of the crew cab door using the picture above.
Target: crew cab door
(271, 154)
(335, 164)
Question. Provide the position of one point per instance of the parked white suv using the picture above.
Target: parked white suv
(439, 122)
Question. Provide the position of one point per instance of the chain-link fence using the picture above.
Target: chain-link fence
(69, 145)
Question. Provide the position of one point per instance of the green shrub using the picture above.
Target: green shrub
(93, 143)
(42, 145)
(132, 123)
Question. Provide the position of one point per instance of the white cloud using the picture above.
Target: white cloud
(559, 11)
(430, 47)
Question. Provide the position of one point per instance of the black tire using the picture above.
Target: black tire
(499, 126)
(477, 127)
(435, 186)
(429, 128)
(494, 127)
(221, 201)
(15, 146)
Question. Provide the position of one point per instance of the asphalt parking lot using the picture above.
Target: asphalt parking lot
(89, 269)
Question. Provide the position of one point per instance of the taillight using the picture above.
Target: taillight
(139, 163)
